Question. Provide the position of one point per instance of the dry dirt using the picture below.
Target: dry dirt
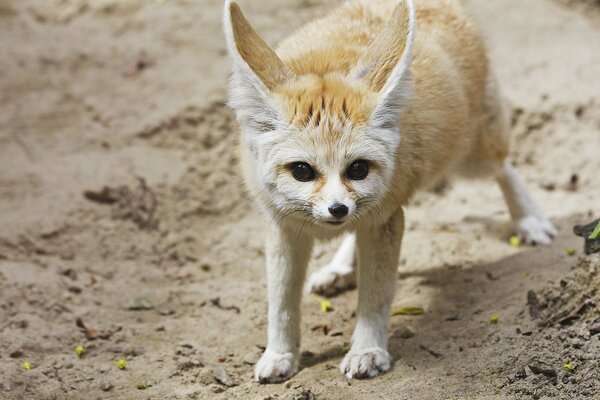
(164, 268)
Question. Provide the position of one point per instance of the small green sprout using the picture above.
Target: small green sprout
(326, 305)
(122, 363)
(569, 368)
(515, 242)
(26, 365)
(79, 350)
(494, 320)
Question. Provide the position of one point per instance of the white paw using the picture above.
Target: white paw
(330, 280)
(535, 230)
(366, 363)
(275, 367)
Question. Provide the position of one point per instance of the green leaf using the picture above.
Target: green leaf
(407, 311)
(144, 386)
(596, 233)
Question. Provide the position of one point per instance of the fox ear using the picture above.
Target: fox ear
(386, 65)
(257, 70)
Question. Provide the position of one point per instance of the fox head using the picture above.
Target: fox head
(323, 142)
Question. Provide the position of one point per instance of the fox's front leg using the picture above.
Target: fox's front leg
(287, 259)
(379, 250)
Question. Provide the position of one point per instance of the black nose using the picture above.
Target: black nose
(338, 210)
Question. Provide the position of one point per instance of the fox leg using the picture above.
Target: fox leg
(339, 274)
(529, 222)
(287, 260)
(490, 158)
(379, 251)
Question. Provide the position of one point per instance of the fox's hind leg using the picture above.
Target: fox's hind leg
(528, 220)
(490, 157)
(339, 274)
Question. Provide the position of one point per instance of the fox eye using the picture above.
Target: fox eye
(358, 170)
(302, 171)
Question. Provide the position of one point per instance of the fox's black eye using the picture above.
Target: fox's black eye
(302, 171)
(358, 170)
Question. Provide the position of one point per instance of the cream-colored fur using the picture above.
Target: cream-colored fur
(405, 92)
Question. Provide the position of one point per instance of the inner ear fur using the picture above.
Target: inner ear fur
(392, 46)
(253, 50)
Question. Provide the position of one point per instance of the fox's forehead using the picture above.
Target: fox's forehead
(325, 101)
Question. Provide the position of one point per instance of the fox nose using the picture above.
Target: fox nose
(338, 210)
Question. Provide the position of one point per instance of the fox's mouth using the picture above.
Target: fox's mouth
(335, 222)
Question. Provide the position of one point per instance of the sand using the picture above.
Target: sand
(166, 268)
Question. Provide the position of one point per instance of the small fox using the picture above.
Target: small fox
(341, 125)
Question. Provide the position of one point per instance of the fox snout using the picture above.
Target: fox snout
(338, 210)
(333, 201)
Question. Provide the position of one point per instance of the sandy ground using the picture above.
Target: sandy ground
(165, 269)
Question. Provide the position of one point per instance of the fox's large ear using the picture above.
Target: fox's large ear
(386, 65)
(257, 70)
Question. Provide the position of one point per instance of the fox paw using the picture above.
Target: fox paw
(366, 363)
(275, 367)
(535, 230)
(329, 281)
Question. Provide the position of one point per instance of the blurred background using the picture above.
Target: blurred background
(124, 228)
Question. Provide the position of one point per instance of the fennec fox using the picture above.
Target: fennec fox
(340, 126)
